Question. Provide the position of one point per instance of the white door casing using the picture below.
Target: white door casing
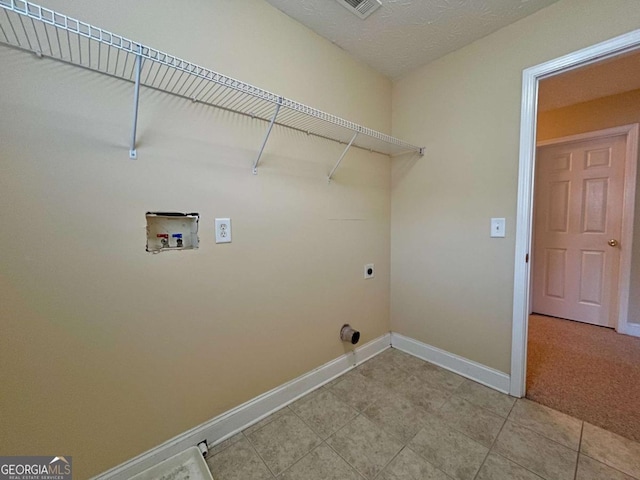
(521, 301)
(579, 199)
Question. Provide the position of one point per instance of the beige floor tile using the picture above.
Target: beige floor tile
(477, 423)
(321, 464)
(449, 450)
(423, 394)
(496, 467)
(410, 466)
(383, 372)
(485, 397)
(590, 469)
(323, 412)
(447, 424)
(611, 449)
(338, 379)
(358, 391)
(402, 360)
(238, 462)
(283, 441)
(552, 424)
(531, 450)
(266, 421)
(397, 415)
(438, 377)
(223, 445)
(365, 446)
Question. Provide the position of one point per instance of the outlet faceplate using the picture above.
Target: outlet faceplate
(223, 230)
(369, 270)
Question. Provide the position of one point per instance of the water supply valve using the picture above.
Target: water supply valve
(164, 239)
(178, 237)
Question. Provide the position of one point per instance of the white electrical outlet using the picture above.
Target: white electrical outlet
(223, 230)
(369, 271)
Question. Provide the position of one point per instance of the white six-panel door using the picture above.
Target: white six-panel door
(579, 193)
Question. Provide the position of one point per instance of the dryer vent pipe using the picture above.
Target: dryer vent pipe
(204, 449)
(348, 334)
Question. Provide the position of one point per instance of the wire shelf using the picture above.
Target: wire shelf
(51, 34)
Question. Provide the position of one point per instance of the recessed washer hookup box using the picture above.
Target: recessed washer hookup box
(167, 231)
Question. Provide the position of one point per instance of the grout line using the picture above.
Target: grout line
(543, 435)
(346, 461)
(511, 409)
(494, 443)
(387, 464)
(313, 430)
(453, 428)
(610, 467)
(514, 461)
(300, 459)
(253, 447)
(230, 444)
(575, 474)
(491, 447)
(538, 475)
(267, 423)
(490, 451)
(595, 459)
(470, 402)
(375, 425)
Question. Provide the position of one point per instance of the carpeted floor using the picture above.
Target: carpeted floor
(589, 372)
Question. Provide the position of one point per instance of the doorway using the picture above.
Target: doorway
(522, 274)
(584, 202)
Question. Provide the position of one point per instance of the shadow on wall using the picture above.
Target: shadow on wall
(401, 166)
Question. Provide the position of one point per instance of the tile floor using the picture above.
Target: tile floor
(397, 417)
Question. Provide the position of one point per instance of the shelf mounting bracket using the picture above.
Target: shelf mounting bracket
(342, 156)
(136, 97)
(266, 137)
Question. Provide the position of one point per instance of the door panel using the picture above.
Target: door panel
(556, 268)
(591, 275)
(559, 194)
(578, 209)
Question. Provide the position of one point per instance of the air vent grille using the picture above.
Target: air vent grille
(361, 8)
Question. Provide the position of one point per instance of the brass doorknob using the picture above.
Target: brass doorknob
(613, 242)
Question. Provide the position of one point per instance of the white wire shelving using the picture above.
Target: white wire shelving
(50, 34)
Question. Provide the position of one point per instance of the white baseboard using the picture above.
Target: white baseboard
(229, 423)
(462, 366)
(632, 329)
(245, 415)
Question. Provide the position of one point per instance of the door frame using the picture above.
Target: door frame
(628, 206)
(524, 217)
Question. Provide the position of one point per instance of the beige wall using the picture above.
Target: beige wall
(622, 109)
(106, 350)
(452, 285)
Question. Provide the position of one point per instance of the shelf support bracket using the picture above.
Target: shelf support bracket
(136, 97)
(342, 156)
(266, 137)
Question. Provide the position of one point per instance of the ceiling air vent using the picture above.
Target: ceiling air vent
(361, 8)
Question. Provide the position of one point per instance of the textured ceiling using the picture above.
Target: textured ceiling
(608, 77)
(405, 34)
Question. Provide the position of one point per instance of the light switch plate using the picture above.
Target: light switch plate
(498, 226)
(223, 230)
